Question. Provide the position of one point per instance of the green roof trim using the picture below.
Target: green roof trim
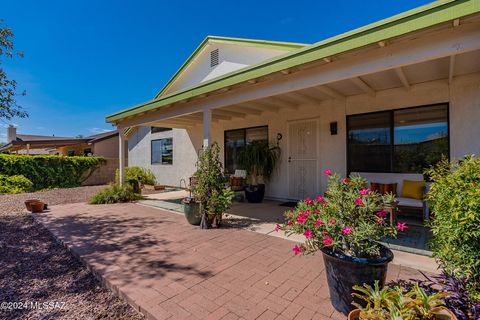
(413, 20)
(289, 46)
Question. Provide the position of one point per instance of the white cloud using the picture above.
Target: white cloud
(98, 130)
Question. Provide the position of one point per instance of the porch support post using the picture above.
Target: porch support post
(121, 155)
(207, 123)
(28, 148)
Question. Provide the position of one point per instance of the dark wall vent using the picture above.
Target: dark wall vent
(214, 58)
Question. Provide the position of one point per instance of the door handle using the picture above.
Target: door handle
(289, 159)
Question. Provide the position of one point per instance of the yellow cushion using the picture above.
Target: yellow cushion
(413, 189)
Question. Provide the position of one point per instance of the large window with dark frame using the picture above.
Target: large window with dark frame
(162, 151)
(235, 141)
(403, 140)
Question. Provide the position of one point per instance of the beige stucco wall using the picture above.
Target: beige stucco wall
(463, 95)
(107, 148)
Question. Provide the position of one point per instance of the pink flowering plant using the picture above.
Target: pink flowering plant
(350, 219)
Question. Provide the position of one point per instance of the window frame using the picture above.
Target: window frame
(392, 129)
(151, 152)
(244, 139)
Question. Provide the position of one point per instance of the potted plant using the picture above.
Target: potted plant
(397, 303)
(209, 189)
(346, 226)
(259, 158)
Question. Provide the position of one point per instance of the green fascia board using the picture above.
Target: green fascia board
(414, 20)
(287, 46)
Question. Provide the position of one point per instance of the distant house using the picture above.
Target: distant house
(102, 145)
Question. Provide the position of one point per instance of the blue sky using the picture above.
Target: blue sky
(86, 59)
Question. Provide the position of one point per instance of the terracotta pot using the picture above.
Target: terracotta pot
(37, 207)
(28, 204)
(354, 314)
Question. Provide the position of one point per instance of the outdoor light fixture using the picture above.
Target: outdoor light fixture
(333, 128)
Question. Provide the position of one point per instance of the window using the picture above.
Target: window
(162, 151)
(236, 139)
(71, 153)
(159, 129)
(405, 140)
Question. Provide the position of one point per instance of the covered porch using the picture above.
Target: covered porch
(419, 73)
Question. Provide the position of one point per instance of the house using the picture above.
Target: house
(392, 97)
(103, 145)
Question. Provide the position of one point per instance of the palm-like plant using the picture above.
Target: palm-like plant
(259, 158)
(392, 304)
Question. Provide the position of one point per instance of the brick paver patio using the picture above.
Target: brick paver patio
(168, 269)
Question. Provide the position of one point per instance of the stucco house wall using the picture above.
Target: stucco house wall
(463, 96)
(184, 154)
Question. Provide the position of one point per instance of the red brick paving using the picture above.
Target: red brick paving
(168, 269)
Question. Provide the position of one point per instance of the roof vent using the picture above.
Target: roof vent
(213, 58)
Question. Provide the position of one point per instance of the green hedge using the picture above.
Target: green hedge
(14, 184)
(50, 171)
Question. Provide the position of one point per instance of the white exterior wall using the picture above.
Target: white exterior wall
(231, 58)
(184, 154)
(464, 112)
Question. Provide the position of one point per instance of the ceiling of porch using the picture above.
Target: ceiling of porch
(405, 77)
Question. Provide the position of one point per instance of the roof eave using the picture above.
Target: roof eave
(404, 23)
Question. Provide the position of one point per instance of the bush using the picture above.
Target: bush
(209, 188)
(50, 171)
(145, 176)
(14, 184)
(115, 193)
(454, 199)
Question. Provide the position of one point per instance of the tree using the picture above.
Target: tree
(8, 87)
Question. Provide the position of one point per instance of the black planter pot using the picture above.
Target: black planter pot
(255, 193)
(343, 272)
(192, 212)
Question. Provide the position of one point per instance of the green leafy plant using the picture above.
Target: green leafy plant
(350, 219)
(389, 303)
(209, 188)
(259, 158)
(454, 199)
(115, 193)
(145, 176)
(50, 171)
(14, 184)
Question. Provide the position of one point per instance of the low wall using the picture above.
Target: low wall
(104, 174)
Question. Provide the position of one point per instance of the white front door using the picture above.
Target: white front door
(302, 159)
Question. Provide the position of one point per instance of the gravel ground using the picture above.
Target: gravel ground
(34, 268)
(14, 203)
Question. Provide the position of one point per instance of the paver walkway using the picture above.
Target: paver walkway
(168, 269)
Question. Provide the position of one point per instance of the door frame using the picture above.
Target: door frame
(317, 156)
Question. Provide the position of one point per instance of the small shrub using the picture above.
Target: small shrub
(349, 220)
(114, 194)
(454, 199)
(14, 184)
(209, 188)
(145, 176)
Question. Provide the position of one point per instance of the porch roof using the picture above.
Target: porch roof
(411, 21)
